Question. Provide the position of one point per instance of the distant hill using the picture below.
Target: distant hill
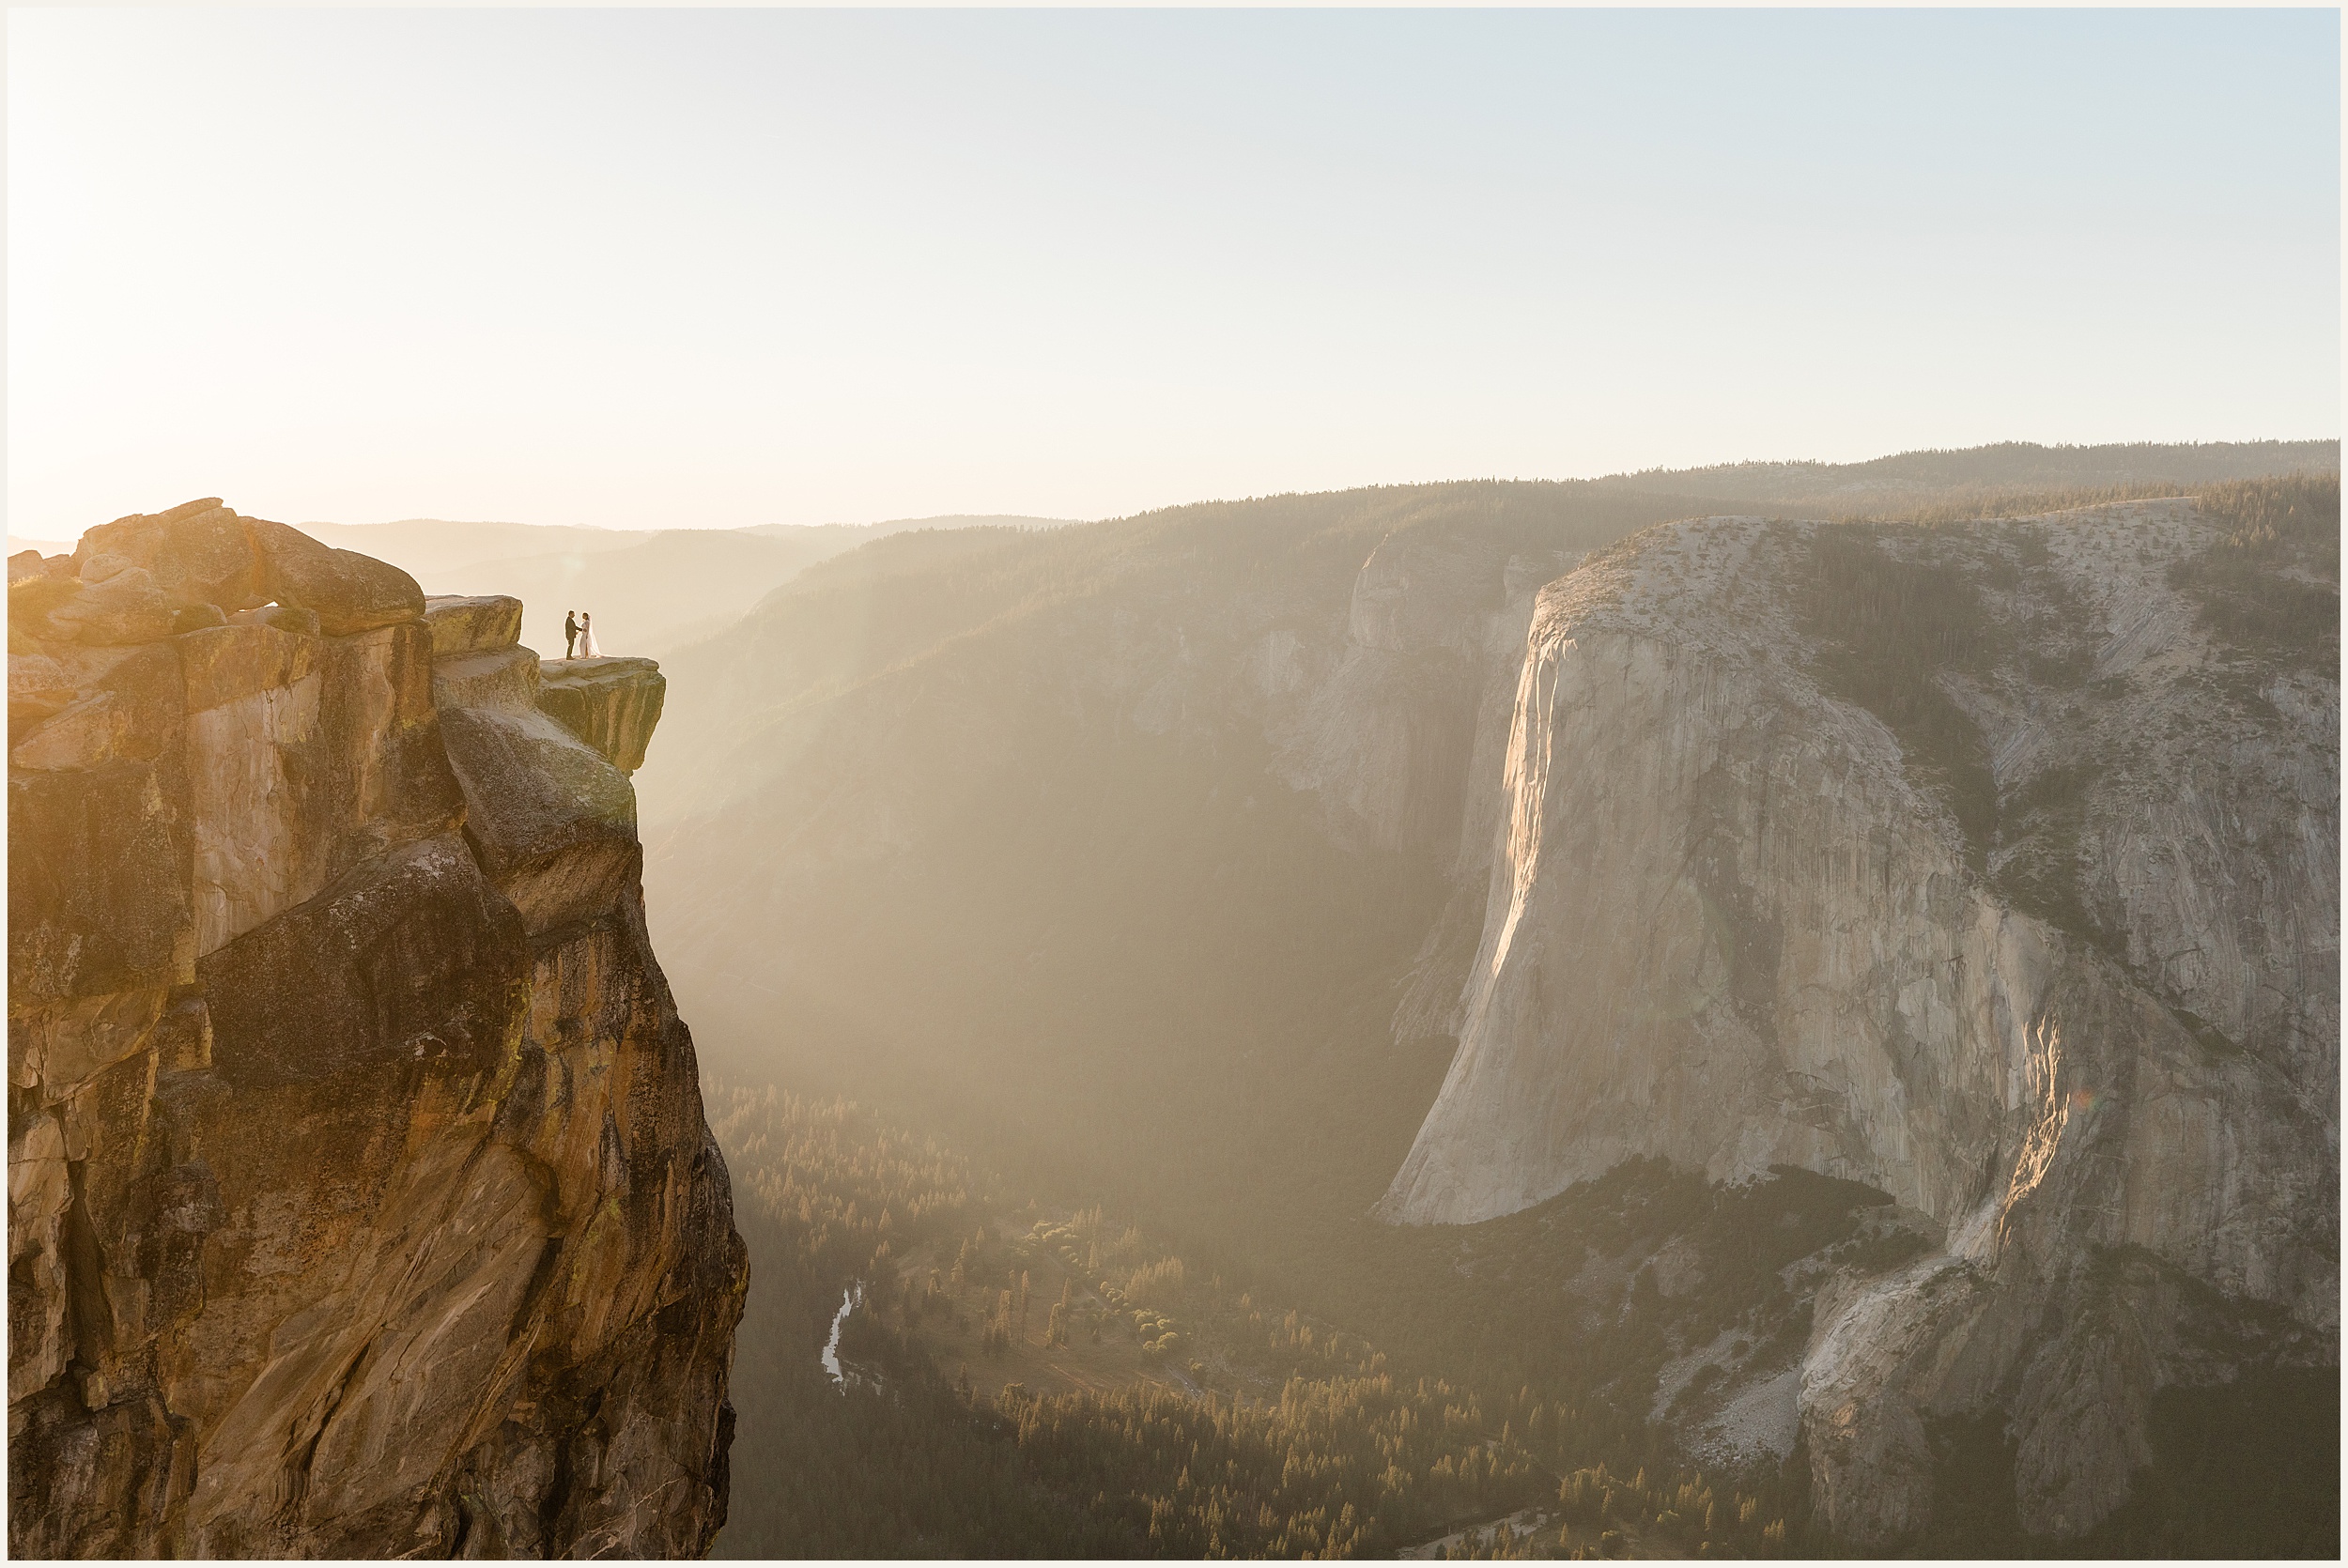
(423, 546)
(647, 592)
(1151, 861)
(1132, 829)
(949, 519)
(651, 593)
(651, 590)
(1945, 476)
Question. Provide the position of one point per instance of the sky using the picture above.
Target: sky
(671, 269)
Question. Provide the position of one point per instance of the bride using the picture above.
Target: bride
(587, 649)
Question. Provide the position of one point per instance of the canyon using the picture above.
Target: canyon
(1426, 899)
(1431, 853)
(361, 1199)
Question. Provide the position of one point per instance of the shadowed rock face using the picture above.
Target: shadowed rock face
(360, 1198)
(2069, 989)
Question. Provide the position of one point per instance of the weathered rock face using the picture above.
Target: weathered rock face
(612, 705)
(2075, 999)
(360, 1198)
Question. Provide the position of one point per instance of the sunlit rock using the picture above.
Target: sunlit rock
(499, 678)
(128, 607)
(197, 553)
(1733, 920)
(348, 591)
(553, 821)
(473, 623)
(612, 703)
(357, 1208)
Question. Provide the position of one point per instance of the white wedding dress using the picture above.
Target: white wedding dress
(587, 649)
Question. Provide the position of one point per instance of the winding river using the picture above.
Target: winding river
(850, 1300)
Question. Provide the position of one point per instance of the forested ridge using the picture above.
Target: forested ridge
(1147, 1407)
(1122, 1293)
(1028, 1380)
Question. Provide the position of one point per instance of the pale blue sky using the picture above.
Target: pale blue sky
(664, 267)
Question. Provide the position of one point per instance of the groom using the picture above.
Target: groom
(570, 632)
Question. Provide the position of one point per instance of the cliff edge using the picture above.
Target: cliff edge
(1993, 866)
(359, 1197)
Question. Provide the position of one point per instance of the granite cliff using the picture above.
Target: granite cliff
(1107, 828)
(1993, 866)
(361, 1201)
(1986, 866)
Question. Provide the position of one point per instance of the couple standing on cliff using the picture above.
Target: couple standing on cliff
(579, 635)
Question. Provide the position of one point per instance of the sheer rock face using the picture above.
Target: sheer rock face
(1728, 922)
(611, 703)
(360, 1198)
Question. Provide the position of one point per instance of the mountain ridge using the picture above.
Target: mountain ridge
(1162, 847)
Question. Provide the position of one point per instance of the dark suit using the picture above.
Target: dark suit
(570, 633)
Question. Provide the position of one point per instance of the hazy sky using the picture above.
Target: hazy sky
(722, 268)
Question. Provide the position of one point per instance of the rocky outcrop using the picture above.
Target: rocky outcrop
(611, 703)
(2044, 942)
(1386, 740)
(360, 1198)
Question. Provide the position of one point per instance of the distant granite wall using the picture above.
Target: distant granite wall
(360, 1198)
(1733, 919)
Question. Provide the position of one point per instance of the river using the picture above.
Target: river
(850, 1300)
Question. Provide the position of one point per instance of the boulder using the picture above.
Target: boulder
(553, 821)
(473, 623)
(502, 678)
(102, 727)
(24, 563)
(38, 688)
(352, 593)
(612, 705)
(224, 663)
(197, 554)
(31, 601)
(128, 607)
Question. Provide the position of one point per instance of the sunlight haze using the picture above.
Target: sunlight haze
(721, 269)
(1091, 785)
